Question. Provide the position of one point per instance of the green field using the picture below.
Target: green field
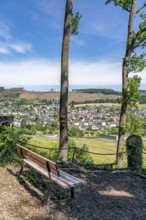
(96, 145)
(104, 104)
(96, 104)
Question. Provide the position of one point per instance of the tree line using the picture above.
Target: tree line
(103, 91)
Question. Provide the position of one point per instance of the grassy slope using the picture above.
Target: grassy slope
(96, 145)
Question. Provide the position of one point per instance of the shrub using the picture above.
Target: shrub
(9, 136)
(134, 152)
(80, 154)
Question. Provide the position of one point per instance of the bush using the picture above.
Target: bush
(81, 155)
(9, 136)
(134, 152)
(75, 132)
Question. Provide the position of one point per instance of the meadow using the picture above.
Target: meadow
(95, 145)
(104, 104)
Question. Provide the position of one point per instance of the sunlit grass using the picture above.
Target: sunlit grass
(104, 104)
(96, 145)
(97, 104)
(42, 142)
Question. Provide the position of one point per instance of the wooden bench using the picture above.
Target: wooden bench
(48, 169)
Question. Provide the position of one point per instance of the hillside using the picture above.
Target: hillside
(78, 96)
(73, 96)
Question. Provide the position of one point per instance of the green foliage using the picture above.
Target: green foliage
(75, 23)
(114, 130)
(36, 179)
(135, 40)
(103, 91)
(137, 63)
(9, 136)
(51, 153)
(141, 34)
(83, 155)
(124, 4)
(110, 100)
(134, 147)
(75, 132)
(135, 125)
(142, 99)
(80, 155)
(133, 92)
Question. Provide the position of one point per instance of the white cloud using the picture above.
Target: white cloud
(8, 44)
(29, 72)
(20, 47)
(42, 72)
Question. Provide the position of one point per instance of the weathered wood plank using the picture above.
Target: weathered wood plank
(48, 169)
(37, 158)
(71, 178)
(44, 172)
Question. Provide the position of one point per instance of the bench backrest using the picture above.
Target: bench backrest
(43, 162)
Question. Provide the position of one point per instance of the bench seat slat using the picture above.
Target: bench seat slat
(48, 169)
(66, 181)
(44, 172)
(75, 180)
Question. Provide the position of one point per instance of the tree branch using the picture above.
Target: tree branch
(139, 9)
(140, 32)
(136, 36)
(127, 9)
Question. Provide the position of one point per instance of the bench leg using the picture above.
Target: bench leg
(47, 195)
(20, 170)
(72, 192)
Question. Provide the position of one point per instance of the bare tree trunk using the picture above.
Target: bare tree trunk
(63, 145)
(125, 72)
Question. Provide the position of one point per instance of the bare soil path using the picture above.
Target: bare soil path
(107, 196)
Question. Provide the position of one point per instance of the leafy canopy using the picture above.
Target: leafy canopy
(125, 4)
(75, 23)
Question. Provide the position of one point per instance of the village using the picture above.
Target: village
(84, 117)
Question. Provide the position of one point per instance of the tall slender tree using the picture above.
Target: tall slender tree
(63, 145)
(131, 63)
(71, 23)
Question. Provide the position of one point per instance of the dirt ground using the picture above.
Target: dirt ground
(106, 196)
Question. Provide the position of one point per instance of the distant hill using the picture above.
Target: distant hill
(103, 91)
(76, 96)
(142, 92)
(73, 96)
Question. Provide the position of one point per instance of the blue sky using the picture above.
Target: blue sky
(31, 37)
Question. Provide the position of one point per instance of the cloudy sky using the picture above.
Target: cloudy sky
(31, 37)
